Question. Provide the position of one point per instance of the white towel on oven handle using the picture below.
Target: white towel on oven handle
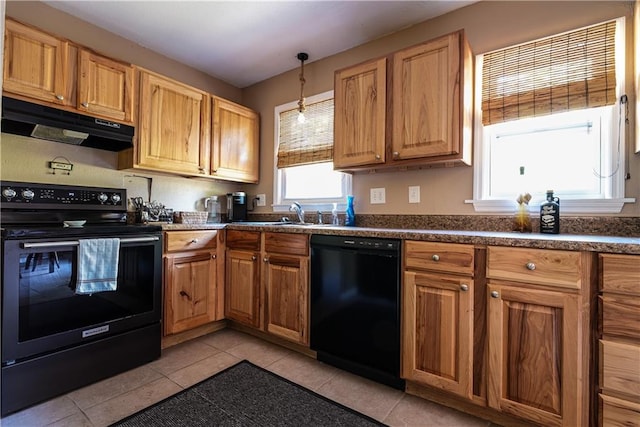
(97, 265)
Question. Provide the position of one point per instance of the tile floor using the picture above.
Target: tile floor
(183, 365)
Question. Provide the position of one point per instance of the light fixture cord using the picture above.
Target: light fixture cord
(301, 106)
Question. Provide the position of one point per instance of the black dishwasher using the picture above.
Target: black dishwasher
(355, 305)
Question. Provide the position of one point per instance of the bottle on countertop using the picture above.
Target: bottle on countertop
(522, 216)
(350, 219)
(334, 215)
(550, 214)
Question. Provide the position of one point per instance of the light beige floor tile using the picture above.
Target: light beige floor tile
(77, 420)
(303, 370)
(203, 369)
(43, 414)
(363, 395)
(259, 352)
(227, 339)
(131, 402)
(182, 355)
(413, 411)
(111, 387)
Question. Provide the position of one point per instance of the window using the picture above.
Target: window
(554, 107)
(304, 157)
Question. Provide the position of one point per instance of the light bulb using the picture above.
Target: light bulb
(301, 117)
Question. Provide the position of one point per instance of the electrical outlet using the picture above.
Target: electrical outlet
(377, 196)
(261, 200)
(414, 194)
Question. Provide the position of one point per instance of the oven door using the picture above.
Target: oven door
(41, 311)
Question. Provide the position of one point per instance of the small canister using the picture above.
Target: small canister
(212, 206)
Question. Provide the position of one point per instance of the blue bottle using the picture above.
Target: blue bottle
(350, 219)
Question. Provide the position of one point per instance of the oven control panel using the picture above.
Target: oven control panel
(21, 195)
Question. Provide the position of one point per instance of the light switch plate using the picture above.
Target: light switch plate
(414, 194)
(377, 196)
(261, 200)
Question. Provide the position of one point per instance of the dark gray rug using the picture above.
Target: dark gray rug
(247, 395)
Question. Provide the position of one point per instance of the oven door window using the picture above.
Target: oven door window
(49, 305)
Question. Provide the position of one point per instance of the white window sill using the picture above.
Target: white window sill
(567, 206)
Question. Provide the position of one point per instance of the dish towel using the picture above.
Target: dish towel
(97, 265)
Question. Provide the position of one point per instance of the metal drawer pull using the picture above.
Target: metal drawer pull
(530, 266)
(464, 288)
(194, 241)
(436, 257)
(495, 294)
(76, 243)
(60, 97)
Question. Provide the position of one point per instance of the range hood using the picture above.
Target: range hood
(38, 121)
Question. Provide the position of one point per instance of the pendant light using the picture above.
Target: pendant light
(302, 56)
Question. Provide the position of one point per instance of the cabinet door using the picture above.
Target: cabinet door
(534, 357)
(105, 87)
(426, 99)
(360, 115)
(286, 297)
(173, 131)
(242, 296)
(36, 64)
(235, 149)
(438, 331)
(190, 292)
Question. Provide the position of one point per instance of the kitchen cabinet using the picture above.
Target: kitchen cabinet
(41, 67)
(192, 280)
(430, 108)
(286, 286)
(360, 114)
(236, 137)
(619, 342)
(272, 297)
(173, 132)
(538, 334)
(437, 309)
(242, 295)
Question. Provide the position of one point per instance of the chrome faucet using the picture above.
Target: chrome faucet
(295, 207)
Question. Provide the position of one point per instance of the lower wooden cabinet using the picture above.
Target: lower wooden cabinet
(242, 296)
(191, 283)
(619, 343)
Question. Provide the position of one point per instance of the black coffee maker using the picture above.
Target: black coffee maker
(237, 206)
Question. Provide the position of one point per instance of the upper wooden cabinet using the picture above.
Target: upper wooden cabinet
(360, 114)
(105, 87)
(36, 64)
(235, 148)
(41, 67)
(430, 102)
(173, 127)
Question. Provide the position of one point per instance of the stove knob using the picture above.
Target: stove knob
(102, 197)
(28, 194)
(9, 193)
(115, 198)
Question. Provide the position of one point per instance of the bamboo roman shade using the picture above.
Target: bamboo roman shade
(571, 71)
(309, 142)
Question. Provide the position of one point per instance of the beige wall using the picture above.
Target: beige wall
(488, 25)
(26, 159)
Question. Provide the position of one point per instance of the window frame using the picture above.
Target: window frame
(614, 200)
(280, 203)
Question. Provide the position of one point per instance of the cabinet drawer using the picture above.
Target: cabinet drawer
(620, 273)
(619, 413)
(189, 240)
(620, 367)
(445, 257)
(247, 240)
(542, 266)
(284, 243)
(621, 316)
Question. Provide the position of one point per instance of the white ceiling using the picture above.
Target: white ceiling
(244, 42)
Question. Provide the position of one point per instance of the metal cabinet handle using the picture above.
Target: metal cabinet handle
(495, 294)
(253, 258)
(60, 97)
(265, 259)
(214, 256)
(530, 266)
(464, 288)
(194, 241)
(435, 257)
(378, 157)
(85, 104)
(184, 294)
(396, 154)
